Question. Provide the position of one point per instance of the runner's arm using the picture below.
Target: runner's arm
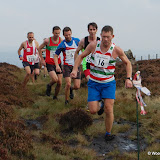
(57, 53)
(19, 51)
(45, 42)
(125, 60)
(90, 49)
(80, 47)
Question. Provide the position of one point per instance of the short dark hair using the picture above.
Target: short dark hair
(107, 29)
(56, 28)
(29, 33)
(66, 29)
(92, 24)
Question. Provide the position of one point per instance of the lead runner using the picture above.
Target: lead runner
(102, 84)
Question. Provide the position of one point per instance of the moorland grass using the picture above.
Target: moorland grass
(124, 109)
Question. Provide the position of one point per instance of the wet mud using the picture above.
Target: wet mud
(121, 142)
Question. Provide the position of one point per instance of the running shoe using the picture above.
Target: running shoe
(48, 90)
(66, 102)
(55, 98)
(35, 77)
(100, 112)
(109, 137)
(71, 93)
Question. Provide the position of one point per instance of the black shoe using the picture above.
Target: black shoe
(48, 90)
(71, 94)
(66, 102)
(100, 112)
(55, 98)
(35, 77)
(109, 137)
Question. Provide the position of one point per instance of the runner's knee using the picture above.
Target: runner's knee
(54, 79)
(59, 83)
(93, 110)
(76, 87)
(68, 85)
(108, 111)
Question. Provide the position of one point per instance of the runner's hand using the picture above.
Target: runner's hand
(73, 74)
(43, 62)
(128, 83)
(21, 58)
(58, 69)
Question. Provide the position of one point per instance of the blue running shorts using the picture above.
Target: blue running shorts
(97, 91)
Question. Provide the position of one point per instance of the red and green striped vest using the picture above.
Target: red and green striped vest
(102, 65)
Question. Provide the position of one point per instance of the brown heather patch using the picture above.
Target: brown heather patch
(57, 145)
(50, 139)
(11, 91)
(150, 70)
(4, 154)
(9, 67)
(13, 136)
(6, 112)
(75, 119)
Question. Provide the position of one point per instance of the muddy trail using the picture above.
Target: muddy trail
(121, 142)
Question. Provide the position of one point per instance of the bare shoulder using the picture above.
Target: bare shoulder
(92, 46)
(37, 44)
(81, 43)
(23, 44)
(93, 43)
(61, 39)
(118, 51)
(46, 41)
(82, 40)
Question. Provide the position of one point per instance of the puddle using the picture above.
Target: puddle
(34, 124)
(121, 142)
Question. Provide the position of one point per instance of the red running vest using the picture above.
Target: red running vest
(28, 53)
(50, 51)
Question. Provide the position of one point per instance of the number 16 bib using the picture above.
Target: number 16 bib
(101, 60)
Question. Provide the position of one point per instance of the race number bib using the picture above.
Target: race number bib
(52, 53)
(70, 53)
(28, 50)
(31, 58)
(88, 58)
(101, 60)
(36, 58)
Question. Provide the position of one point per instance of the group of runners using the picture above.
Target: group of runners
(98, 59)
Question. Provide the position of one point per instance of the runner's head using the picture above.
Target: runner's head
(56, 31)
(67, 33)
(30, 36)
(92, 28)
(107, 35)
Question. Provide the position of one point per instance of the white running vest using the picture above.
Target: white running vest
(102, 65)
(69, 53)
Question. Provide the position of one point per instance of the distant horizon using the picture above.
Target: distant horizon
(11, 56)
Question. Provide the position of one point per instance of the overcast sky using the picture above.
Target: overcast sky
(136, 23)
